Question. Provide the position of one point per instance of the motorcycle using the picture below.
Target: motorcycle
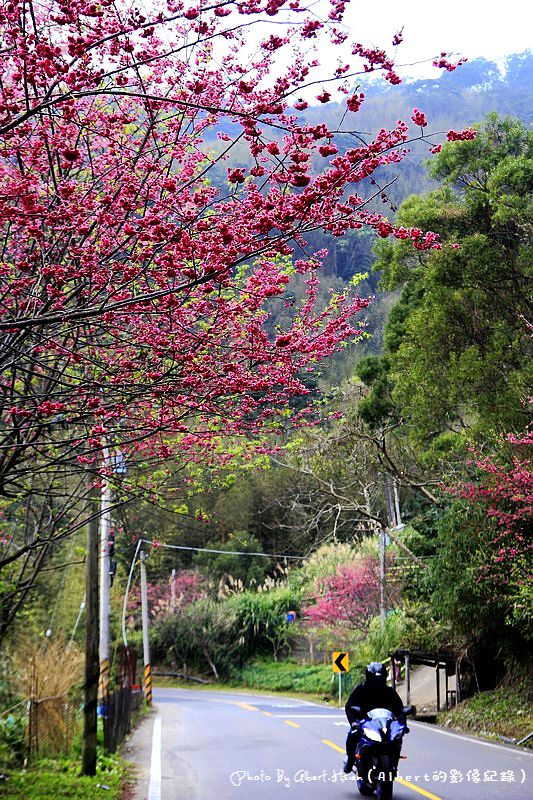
(378, 750)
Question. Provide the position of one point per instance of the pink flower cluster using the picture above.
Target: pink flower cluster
(461, 136)
(166, 597)
(419, 118)
(443, 63)
(505, 491)
(355, 102)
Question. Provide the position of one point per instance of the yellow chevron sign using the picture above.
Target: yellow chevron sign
(340, 662)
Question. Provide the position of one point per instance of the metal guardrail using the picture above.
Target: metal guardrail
(525, 739)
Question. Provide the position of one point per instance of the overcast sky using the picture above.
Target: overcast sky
(472, 28)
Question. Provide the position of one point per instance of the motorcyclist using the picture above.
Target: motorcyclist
(373, 692)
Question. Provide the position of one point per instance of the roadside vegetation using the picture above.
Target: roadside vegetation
(504, 713)
(290, 359)
(41, 740)
(53, 778)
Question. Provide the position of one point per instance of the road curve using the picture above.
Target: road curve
(209, 745)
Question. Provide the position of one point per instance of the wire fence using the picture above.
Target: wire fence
(47, 722)
(52, 725)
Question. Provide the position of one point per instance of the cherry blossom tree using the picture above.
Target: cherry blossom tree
(505, 491)
(155, 190)
(167, 597)
(481, 575)
(348, 599)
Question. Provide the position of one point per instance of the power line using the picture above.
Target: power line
(221, 552)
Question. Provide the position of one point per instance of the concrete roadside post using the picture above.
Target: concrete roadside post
(146, 640)
(105, 591)
(91, 634)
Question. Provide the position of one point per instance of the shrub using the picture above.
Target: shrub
(262, 619)
(204, 635)
(165, 597)
(12, 736)
(214, 636)
(322, 564)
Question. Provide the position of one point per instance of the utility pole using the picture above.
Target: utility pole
(173, 590)
(399, 523)
(390, 501)
(146, 640)
(393, 511)
(394, 521)
(105, 593)
(91, 634)
(382, 579)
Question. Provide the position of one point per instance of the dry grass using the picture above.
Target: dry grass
(50, 670)
(49, 675)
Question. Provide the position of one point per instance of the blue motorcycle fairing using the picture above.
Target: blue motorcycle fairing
(384, 723)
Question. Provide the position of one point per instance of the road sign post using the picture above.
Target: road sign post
(341, 663)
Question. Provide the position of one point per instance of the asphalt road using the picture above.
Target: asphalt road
(208, 745)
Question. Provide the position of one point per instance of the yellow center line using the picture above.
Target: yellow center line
(292, 724)
(400, 780)
(267, 713)
(247, 706)
(418, 789)
(335, 746)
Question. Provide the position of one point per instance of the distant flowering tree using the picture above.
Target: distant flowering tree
(505, 491)
(482, 573)
(347, 599)
(140, 258)
(166, 597)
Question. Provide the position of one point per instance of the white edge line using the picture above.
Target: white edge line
(154, 787)
(507, 748)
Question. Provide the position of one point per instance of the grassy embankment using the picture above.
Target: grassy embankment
(502, 713)
(304, 681)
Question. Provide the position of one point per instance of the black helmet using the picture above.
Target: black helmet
(376, 674)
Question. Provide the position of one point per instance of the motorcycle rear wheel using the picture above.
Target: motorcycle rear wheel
(384, 790)
(384, 787)
(364, 788)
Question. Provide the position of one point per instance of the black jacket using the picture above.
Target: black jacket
(367, 697)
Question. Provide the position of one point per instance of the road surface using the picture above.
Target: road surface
(209, 745)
